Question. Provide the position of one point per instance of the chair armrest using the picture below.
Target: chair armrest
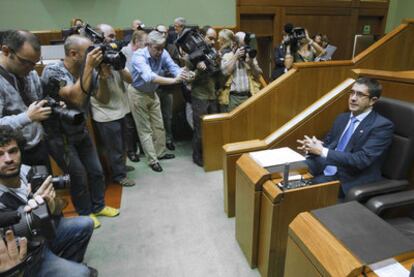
(380, 204)
(363, 192)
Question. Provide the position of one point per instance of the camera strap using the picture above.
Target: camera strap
(17, 83)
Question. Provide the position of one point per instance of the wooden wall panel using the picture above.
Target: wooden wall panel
(290, 94)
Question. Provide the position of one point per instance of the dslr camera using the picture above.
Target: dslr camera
(192, 42)
(71, 116)
(111, 52)
(250, 46)
(38, 174)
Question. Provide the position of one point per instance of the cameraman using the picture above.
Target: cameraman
(20, 91)
(203, 96)
(71, 145)
(109, 118)
(63, 255)
(243, 73)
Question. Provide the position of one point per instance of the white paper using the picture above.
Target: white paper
(389, 268)
(278, 156)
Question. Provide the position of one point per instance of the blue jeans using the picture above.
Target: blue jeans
(62, 256)
(80, 160)
(111, 135)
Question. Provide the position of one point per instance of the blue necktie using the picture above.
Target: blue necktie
(330, 170)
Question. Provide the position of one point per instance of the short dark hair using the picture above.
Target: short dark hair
(14, 39)
(374, 87)
(8, 134)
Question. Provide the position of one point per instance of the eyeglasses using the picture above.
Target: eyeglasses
(24, 61)
(358, 94)
(211, 38)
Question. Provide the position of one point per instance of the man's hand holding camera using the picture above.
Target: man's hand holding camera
(11, 254)
(240, 53)
(46, 192)
(38, 112)
(94, 58)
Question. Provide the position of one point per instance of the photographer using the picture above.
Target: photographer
(203, 96)
(20, 91)
(70, 144)
(148, 65)
(109, 118)
(243, 74)
(308, 50)
(63, 255)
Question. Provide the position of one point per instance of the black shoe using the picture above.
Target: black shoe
(129, 168)
(198, 162)
(93, 272)
(133, 157)
(170, 146)
(167, 157)
(156, 167)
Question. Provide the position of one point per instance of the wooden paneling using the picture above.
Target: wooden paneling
(291, 93)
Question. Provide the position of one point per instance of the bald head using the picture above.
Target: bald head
(108, 32)
(136, 23)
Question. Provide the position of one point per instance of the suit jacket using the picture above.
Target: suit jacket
(362, 158)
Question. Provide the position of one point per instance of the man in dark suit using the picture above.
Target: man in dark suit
(354, 149)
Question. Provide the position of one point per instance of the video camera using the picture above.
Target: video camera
(38, 174)
(51, 89)
(294, 35)
(192, 42)
(111, 52)
(250, 45)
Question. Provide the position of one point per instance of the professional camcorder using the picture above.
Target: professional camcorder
(38, 174)
(250, 45)
(293, 36)
(111, 52)
(51, 89)
(192, 42)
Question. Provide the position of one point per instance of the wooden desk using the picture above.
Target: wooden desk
(312, 250)
(267, 216)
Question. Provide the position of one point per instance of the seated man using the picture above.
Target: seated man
(354, 149)
(63, 255)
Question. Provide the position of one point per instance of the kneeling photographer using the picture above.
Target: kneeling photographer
(56, 245)
(75, 80)
(243, 71)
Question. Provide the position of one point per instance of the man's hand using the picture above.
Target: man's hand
(240, 52)
(94, 58)
(36, 111)
(10, 254)
(47, 192)
(201, 66)
(311, 145)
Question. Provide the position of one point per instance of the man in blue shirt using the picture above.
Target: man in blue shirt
(148, 66)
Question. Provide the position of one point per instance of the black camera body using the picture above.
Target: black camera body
(294, 36)
(38, 174)
(192, 42)
(51, 89)
(250, 47)
(111, 52)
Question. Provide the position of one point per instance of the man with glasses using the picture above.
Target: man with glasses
(21, 90)
(203, 95)
(354, 149)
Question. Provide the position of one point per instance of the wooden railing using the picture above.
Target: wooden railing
(290, 94)
(315, 120)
